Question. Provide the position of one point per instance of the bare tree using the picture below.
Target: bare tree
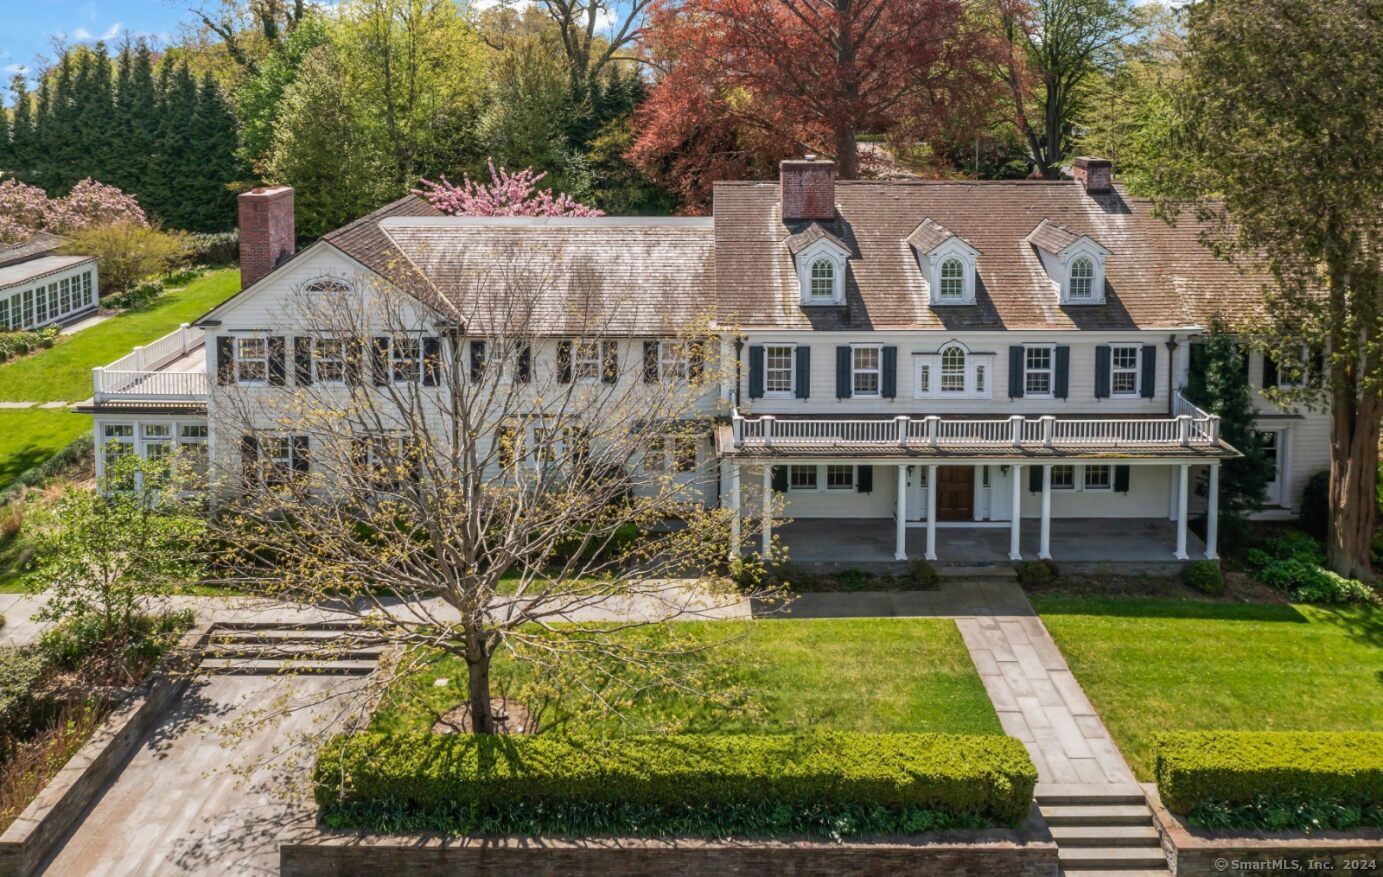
(234, 22)
(504, 471)
(594, 33)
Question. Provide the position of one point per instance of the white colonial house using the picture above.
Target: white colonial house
(961, 371)
(40, 286)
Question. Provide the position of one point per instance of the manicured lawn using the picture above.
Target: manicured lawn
(63, 373)
(28, 436)
(769, 676)
(1155, 665)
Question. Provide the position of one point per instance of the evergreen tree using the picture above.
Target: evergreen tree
(178, 156)
(208, 201)
(96, 118)
(4, 139)
(137, 123)
(21, 130)
(41, 142)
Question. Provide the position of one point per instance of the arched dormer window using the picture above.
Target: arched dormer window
(953, 369)
(823, 280)
(327, 286)
(953, 280)
(1082, 286)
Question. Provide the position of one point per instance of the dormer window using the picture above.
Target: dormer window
(1082, 283)
(820, 260)
(1075, 262)
(823, 283)
(947, 262)
(952, 280)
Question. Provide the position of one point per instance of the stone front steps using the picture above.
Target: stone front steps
(1102, 830)
(323, 648)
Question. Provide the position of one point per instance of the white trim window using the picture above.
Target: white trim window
(1097, 478)
(866, 371)
(117, 440)
(801, 478)
(585, 360)
(840, 477)
(252, 361)
(157, 439)
(1064, 477)
(822, 283)
(684, 453)
(1082, 283)
(192, 445)
(1039, 366)
(329, 361)
(952, 282)
(780, 375)
(672, 361)
(276, 458)
(1124, 368)
(953, 370)
(953, 373)
(406, 360)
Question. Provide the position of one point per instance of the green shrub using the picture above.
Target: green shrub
(923, 576)
(221, 248)
(20, 342)
(747, 571)
(68, 644)
(1293, 562)
(1204, 576)
(77, 453)
(184, 276)
(1300, 813)
(137, 297)
(1036, 573)
(1314, 514)
(705, 782)
(1239, 768)
(22, 673)
(608, 546)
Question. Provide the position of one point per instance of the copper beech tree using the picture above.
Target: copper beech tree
(503, 472)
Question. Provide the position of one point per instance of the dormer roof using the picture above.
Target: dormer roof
(813, 234)
(930, 235)
(1058, 238)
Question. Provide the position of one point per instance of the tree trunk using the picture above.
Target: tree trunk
(1354, 431)
(847, 152)
(478, 670)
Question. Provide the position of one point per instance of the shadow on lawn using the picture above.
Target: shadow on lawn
(21, 461)
(1137, 607)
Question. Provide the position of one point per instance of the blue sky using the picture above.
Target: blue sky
(28, 27)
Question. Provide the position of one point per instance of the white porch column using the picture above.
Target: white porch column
(1183, 476)
(1015, 528)
(768, 509)
(1044, 544)
(931, 512)
(900, 549)
(1212, 514)
(734, 489)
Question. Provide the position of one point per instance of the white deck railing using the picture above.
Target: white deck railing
(137, 375)
(1183, 430)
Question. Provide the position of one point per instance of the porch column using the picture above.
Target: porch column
(900, 545)
(931, 512)
(1015, 527)
(734, 490)
(768, 509)
(1212, 514)
(1044, 545)
(1183, 476)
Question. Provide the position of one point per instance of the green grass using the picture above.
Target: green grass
(28, 436)
(880, 675)
(63, 373)
(1153, 665)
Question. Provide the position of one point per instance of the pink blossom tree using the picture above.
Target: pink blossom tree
(23, 210)
(507, 194)
(27, 209)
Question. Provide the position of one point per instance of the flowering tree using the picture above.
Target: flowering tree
(27, 209)
(507, 194)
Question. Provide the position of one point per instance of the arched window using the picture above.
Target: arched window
(823, 280)
(953, 370)
(327, 285)
(952, 280)
(1082, 280)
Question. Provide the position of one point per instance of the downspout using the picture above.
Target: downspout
(1172, 346)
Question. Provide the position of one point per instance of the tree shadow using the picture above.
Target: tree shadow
(1159, 607)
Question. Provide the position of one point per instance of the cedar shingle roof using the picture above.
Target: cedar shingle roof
(1158, 276)
(929, 235)
(363, 241)
(810, 235)
(1052, 237)
(41, 243)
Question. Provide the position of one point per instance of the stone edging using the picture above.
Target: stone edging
(1199, 852)
(34, 835)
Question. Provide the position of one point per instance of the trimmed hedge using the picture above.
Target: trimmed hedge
(461, 781)
(1236, 768)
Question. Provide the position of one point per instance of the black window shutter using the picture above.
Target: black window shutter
(379, 360)
(1015, 372)
(225, 359)
(1121, 474)
(1035, 479)
(300, 454)
(1244, 356)
(1062, 384)
(355, 358)
(249, 454)
(302, 360)
(1148, 381)
(803, 367)
(1102, 368)
(696, 360)
(890, 376)
(564, 362)
(780, 479)
(609, 358)
(525, 365)
(278, 365)
(650, 362)
(432, 361)
(756, 371)
(864, 479)
(477, 360)
(843, 383)
(1269, 371)
(1197, 357)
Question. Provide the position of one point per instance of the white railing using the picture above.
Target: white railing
(136, 375)
(1183, 430)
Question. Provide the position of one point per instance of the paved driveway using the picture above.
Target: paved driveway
(179, 808)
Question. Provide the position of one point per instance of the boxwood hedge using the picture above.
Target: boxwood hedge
(1237, 768)
(719, 782)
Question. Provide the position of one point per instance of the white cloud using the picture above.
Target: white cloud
(81, 34)
(112, 32)
(17, 68)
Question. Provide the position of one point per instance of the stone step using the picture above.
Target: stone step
(961, 570)
(1116, 872)
(1101, 814)
(345, 624)
(1087, 793)
(252, 667)
(294, 651)
(287, 634)
(1111, 858)
(1105, 835)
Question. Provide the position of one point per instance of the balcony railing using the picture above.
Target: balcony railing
(142, 374)
(1189, 427)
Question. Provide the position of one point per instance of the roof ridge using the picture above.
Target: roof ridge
(379, 213)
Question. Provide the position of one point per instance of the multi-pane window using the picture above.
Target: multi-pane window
(158, 439)
(586, 360)
(16, 312)
(778, 377)
(840, 477)
(1082, 280)
(655, 455)
(1098, 478)
(117, 441)
(952, 280)
(953, 370)
(1037, 371)
(192, 445)
(406, 360)
(823, 280)
(4, 313)
(980, 379)
(684, 453)
(86, 288)
(252, 360)
(866, 372)
(672, 360)
(329, 361)
(65, 301)
(1123, 374)
(1063, 478)
(41, 306)
(802, 477)
(53, 299)
(276, 452)
(28, 307)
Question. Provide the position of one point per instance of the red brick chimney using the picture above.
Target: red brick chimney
(266, 231)
(1095, 174)
(809, 188)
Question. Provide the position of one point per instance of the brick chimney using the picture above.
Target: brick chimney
(1095, 174)
(266, 231)
(809, 188)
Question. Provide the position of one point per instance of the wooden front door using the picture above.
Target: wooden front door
(955, 493)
